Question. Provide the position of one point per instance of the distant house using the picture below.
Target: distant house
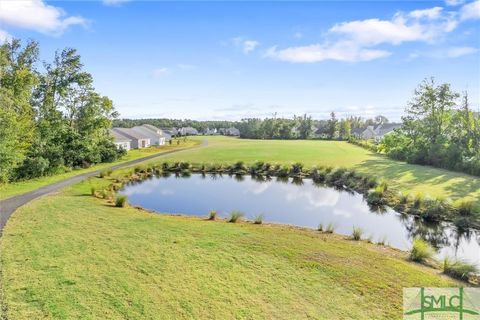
(369, 133)
(138, 140)
(210, 132)
(357, 132)
(169, 133)
(375, 132)
(232, 132)
(384, 129)
(121, 141)
(157, 138)
(188, 131)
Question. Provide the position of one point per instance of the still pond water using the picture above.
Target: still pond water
(301, 203)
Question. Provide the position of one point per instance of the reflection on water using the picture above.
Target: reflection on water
(298, 202)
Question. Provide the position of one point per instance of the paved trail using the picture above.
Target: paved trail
(8, 206)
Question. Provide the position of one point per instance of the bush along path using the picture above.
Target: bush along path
(9, 205)
(376, 193)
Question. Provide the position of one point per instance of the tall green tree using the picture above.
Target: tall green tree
(17, 80)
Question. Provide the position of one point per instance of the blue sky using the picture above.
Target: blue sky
(230, 60)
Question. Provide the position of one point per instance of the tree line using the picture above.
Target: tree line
(51, 117)
(201, 126)
(438, 129)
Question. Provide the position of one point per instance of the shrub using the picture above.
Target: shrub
(258, 219)
(330, 228)
(383, 185)
(296, 168)
(320, 227)
(235, 216)
(421, 251)
(121, 201)
(375, 196)
(418, 200)
(212, 215)
(283, 171)
(403, 198)
(465, 208)
(357, 233)
(434, 209)
(459, 269)
(239, 165)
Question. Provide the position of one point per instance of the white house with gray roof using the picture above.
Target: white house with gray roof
(121, 141)
(157, 138)
(138, 140)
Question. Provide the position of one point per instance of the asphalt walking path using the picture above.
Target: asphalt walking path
(8, 206)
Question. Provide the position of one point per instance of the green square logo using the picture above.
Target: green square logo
(441, 303)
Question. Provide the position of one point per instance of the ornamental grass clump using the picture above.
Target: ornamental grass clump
(212, 215)
(330, 228)
(320, 227)
(121, 201)
(434, 209)
(375, 196)
(421, 251)
(418, 200)
(296, 168)
(258, 219)
(235, 216)
(465, 208)
(357, 233)
(93, 191)
(459, 269)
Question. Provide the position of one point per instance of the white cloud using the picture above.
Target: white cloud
(160, 72)
(246, 45)
(298, 35)
(358, 40)
(37, 15)
(4, 36)
(470, 11)
(397, 30)
(456, 52)
(432, 13)
(249, 46)
(451, 52)
(340, 51)
(454, 2)
(114, 2)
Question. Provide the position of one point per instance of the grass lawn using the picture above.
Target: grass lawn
(399, 175)
(72, 256)
(17, 188)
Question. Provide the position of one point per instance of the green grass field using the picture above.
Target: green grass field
(399, 175)
(72, 256)
(21, 187)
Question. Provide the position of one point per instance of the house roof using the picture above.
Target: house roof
(357, 130)
(130, 133)
(150, 131)
(118, 137)
(152, 128)
(387, 127)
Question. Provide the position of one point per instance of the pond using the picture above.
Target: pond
(301, 203)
